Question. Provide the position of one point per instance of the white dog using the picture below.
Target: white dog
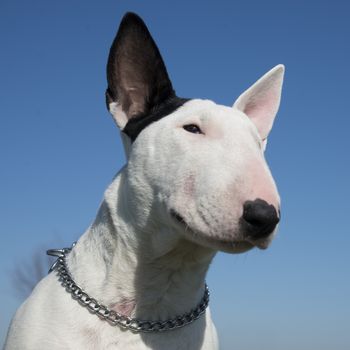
(195, 182)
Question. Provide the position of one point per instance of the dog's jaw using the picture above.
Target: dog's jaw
(226, 245)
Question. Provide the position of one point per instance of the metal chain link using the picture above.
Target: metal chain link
(113, 317)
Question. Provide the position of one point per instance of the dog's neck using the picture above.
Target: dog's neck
(149, 273)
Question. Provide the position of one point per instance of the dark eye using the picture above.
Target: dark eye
(193, 128)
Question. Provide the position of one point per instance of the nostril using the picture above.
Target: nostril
(260, 218)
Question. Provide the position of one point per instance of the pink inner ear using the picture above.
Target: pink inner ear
(260, 104)
(262, 107)
(261, 101)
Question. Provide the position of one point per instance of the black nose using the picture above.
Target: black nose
(259, 218)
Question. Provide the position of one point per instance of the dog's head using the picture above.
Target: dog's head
(197, 165)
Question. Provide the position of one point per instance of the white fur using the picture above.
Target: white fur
(135, 257)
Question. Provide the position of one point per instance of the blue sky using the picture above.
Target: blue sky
(59, 148)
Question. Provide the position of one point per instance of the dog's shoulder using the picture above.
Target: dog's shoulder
(34, 325)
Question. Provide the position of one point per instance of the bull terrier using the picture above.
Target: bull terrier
(196, 182)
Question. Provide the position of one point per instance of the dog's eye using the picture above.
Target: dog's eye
(193, 128)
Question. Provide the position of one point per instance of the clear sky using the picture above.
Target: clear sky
(59, 148)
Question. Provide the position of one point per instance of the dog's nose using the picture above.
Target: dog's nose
(259, 218)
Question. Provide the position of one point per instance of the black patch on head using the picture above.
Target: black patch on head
(138, 123)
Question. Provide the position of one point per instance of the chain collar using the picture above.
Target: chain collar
(113, 317)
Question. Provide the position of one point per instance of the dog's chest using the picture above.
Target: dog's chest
(72, 327)
(96, 335)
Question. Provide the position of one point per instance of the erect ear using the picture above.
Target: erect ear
(261, 101)
(137, 78)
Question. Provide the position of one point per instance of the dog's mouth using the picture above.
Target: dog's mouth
(178, 217)
(215, 242)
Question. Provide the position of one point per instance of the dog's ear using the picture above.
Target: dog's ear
(261, 101)
(137, 78)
